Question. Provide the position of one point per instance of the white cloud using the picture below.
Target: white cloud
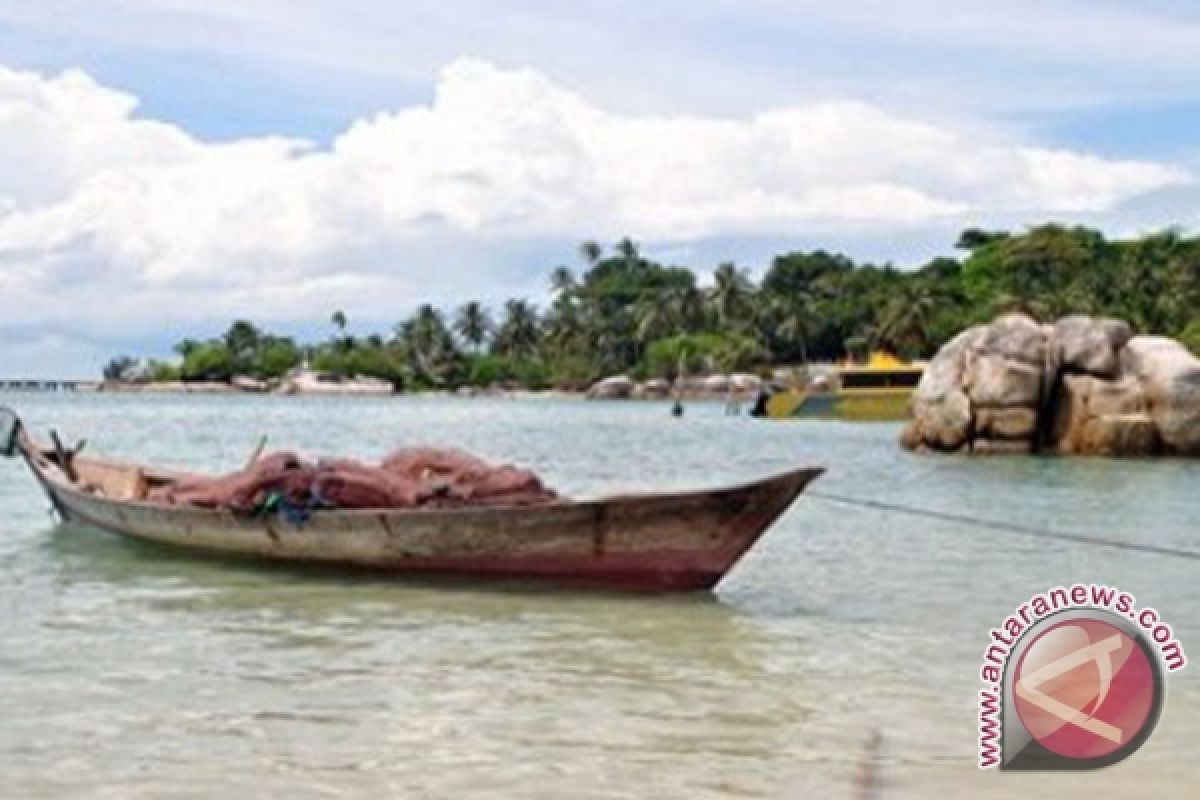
(113, 220)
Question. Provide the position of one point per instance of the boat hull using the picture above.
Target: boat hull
(676, 542)
(881, 405)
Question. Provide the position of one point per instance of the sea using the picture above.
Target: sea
(839, 659)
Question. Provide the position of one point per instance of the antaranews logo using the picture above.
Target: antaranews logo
(1074, 679)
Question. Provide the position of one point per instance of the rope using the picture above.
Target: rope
(1009, 527)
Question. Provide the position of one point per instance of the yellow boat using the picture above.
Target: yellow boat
(880, 390)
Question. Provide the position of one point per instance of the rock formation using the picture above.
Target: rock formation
(618, 387)
(708, 387)
(1081, 386)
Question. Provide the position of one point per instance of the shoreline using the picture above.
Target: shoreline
(468, 393)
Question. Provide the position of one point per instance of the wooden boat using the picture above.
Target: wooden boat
(663, 542)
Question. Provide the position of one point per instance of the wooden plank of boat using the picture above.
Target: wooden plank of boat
(665, 542)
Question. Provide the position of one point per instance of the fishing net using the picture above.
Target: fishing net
(406, 479)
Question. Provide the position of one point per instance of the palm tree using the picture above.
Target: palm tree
(428, 343)
(242, 341)
(789, 319)
(654, 319)
(591, 252)
(520, 332)
(905, 323)
(684, 306)
(668, 312)
(627, 250)
(562, 280)
(186, 347)
(731, 293)
(341, 342)
(473, 324)
(564, 325)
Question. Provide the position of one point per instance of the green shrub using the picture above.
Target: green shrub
(700, 353)
(1191, 337)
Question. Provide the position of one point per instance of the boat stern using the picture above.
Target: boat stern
(10, 428)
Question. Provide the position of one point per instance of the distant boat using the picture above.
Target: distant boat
(660, 542)
(880, 390)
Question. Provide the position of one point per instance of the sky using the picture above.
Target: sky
(168, 165)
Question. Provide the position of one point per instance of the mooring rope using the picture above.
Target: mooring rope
(1008, 527)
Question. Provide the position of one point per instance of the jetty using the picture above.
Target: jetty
(46, 385)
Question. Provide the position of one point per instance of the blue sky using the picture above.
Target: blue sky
(273, 158)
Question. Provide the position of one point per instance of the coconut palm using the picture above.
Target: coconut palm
(186, 347)
(242, 340)
(428, 343)
(731, 294)
(591, 252)
(628, 251)
(685, 306)
(654, 319)
(905, 323)
(341, 342)
(562, 280)
(564, 324)
(789, 319)
(520, 333)
(473, 323)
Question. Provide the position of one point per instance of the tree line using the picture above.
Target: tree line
(618, 311)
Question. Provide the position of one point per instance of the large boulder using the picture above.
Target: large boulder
(1016, 337)
(1006, 423)
(1170, 376)
(618, 387)
(1083, 344)
(1119, 435)
(745, 382)
(941, 409)
(1093, 416)
(1081, 386)
(716, 383)
(656, 388)
(944, 423)
(247, 384)
(1000, 381)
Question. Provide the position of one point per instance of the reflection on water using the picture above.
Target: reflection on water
(129, 670)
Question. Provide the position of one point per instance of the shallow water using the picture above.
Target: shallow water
(130, 671)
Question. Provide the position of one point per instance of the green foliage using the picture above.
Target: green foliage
(1190, 337)
(474, 324)
(621, 312)
(274, 357)
(163, 372)
(487, 370)
(699, 353)
(208, 361)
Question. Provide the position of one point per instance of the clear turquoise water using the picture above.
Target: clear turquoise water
(127, 671)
